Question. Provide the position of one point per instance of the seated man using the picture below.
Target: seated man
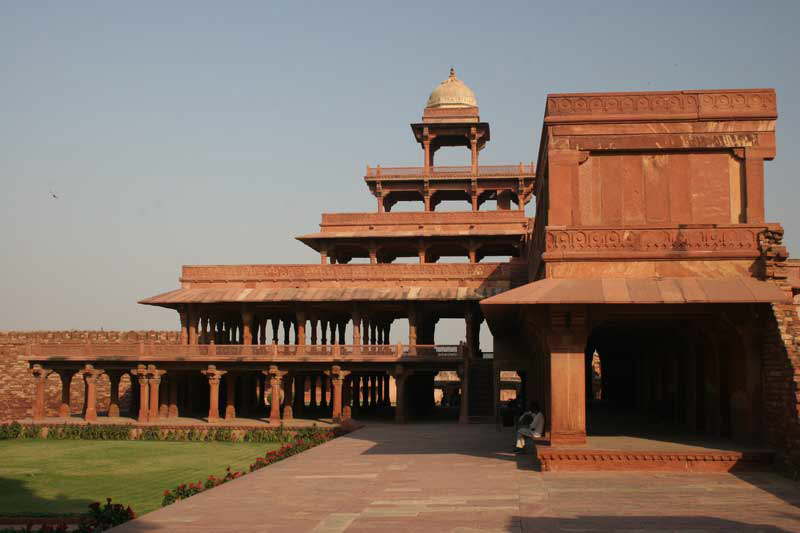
(534, 418)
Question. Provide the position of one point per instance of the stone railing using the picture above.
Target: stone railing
(135, 352)
(456, 172)
(423, 218)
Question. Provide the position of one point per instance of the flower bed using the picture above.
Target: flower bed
(301, 442)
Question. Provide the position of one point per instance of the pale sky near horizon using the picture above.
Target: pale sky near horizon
(213, 133)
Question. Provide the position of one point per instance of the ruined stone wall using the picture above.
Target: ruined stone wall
(16, 383)
(781, 358)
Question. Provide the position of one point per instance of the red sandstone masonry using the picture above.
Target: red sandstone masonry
(16, 383)
(781, 356)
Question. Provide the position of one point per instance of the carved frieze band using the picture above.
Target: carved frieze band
(762, 103)
(350, 272)
(654, 239)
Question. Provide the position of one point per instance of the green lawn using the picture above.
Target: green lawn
(41, 477)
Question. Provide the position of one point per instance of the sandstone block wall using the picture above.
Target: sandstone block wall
(781, 381)
(16, 383)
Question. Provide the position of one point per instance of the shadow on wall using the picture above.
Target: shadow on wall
(18, 500)
(636, 523)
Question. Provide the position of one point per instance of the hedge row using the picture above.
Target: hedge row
(280, 434)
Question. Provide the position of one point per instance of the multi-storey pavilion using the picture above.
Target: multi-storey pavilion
(256, 334)
(649, 264)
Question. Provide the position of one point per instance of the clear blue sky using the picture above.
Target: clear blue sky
(214, 132)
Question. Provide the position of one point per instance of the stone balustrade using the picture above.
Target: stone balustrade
(67, 352)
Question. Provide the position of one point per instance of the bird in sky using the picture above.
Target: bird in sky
(53, 195)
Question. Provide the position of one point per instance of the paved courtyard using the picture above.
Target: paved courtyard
(447, 477)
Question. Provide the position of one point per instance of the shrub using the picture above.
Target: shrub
(10, 431)
(105, 517)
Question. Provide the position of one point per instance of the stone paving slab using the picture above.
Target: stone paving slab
(452, 478)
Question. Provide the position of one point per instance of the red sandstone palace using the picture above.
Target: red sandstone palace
(649, 253)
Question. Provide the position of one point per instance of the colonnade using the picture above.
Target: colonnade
(281, 391)
(206, 326)
(426, 253)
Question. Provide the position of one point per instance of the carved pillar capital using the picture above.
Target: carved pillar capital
(213, 374)
(39, 372)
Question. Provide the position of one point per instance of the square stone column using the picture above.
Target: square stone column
(566, 342)
(400, 375)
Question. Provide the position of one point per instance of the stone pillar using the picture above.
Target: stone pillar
(214, 376)
(372, 391)
(473, 148)
(40, 381)
(286, 326)
(365, 333)
(379, 390)
(90, 376)
(754, 175)
(356, 383)
(323, 386)
(275, 327)
(356, 327)
(313, 324)
(386, 399)
(412, 329)
(140, 373)
(184, 318)
(300, 328)
(230, 396)
(463, 406)
(313, 391)
(566, 341)
(288, 413)
(247, 327)
(337, 376)
(275, 379)
(400, 375)
(113, 382)
(472, 319)
(155, 383)
(192, 325)
(172, 409)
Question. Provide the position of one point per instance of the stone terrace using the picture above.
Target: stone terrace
(462, 478)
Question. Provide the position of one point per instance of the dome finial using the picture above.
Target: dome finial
(452, 92)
